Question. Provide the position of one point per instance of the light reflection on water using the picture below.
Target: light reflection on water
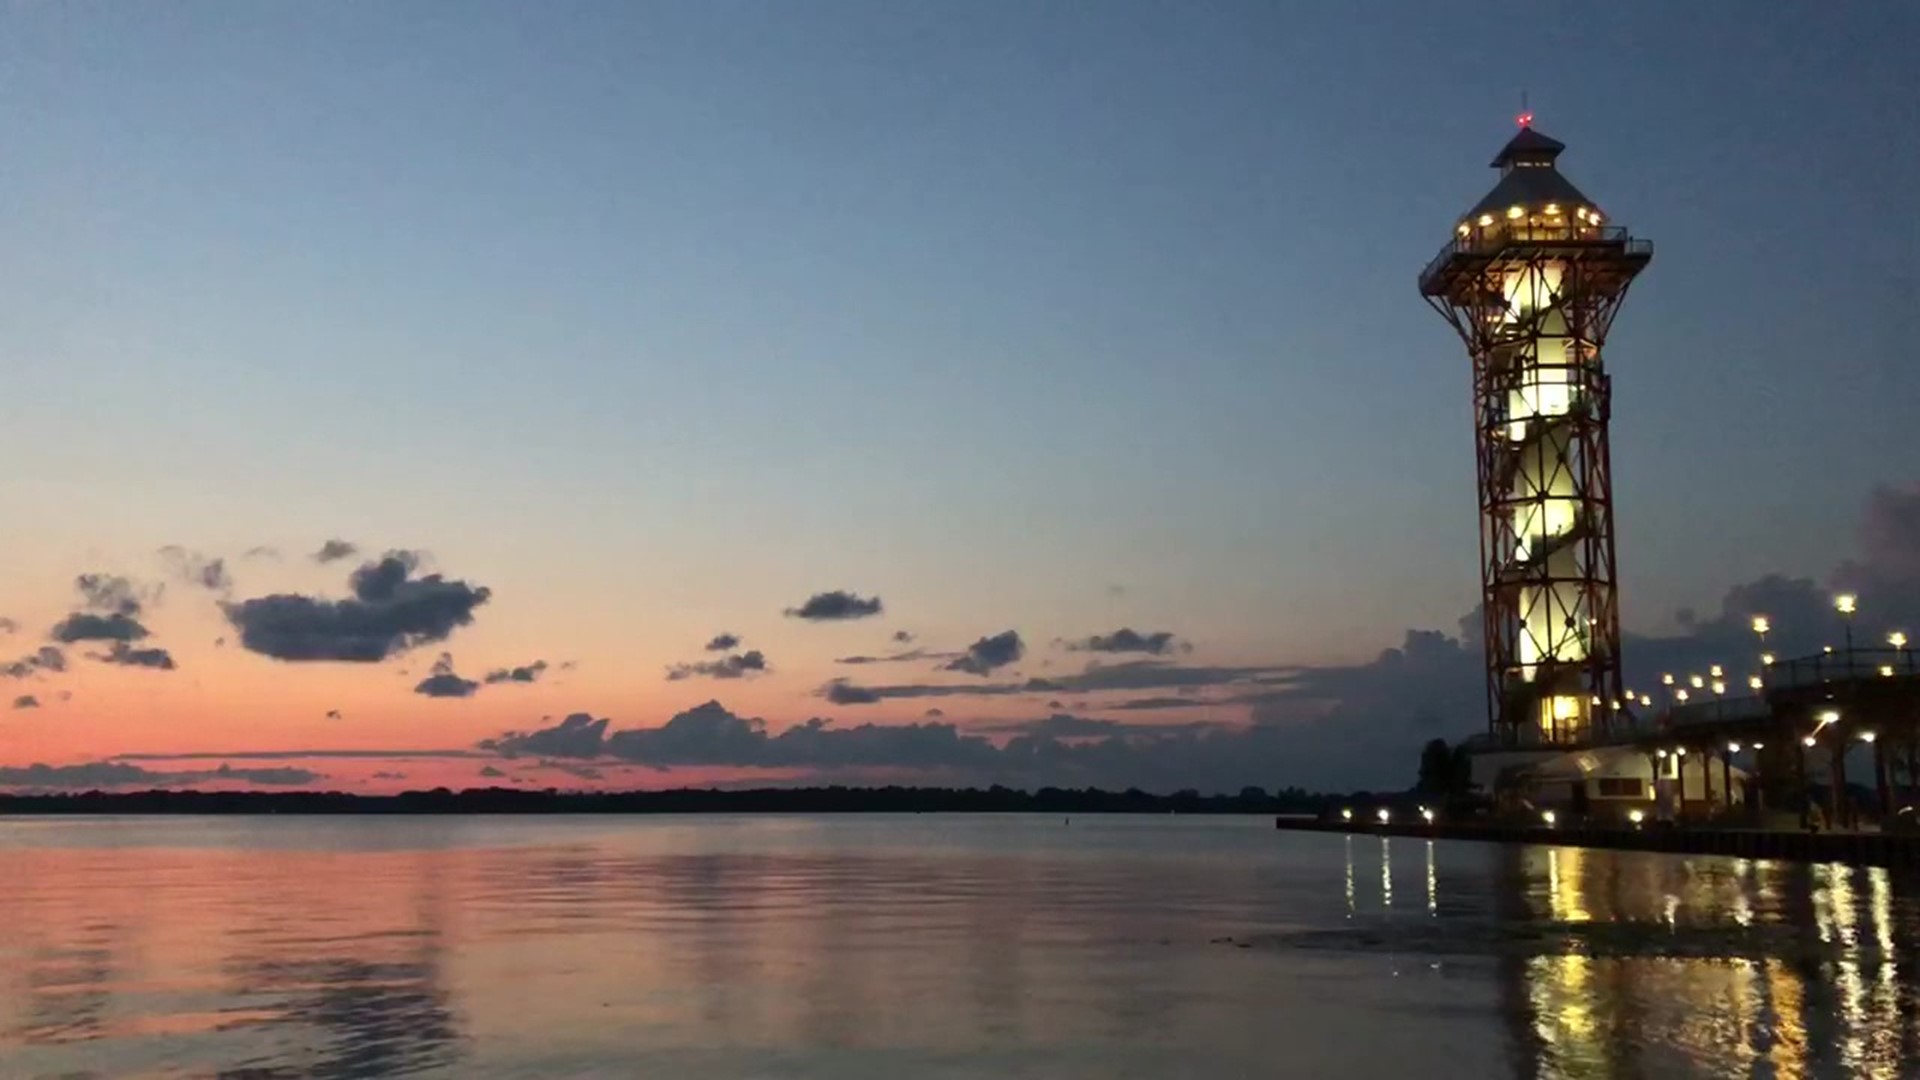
(926, 946)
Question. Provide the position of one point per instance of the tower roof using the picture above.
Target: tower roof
(1528, 145)
(1528, 177)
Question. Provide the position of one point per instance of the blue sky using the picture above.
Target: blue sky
(654, 316)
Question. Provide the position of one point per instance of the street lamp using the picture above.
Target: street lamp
(1846, 604)
(1697, 682)
(1754, 683)
(1719, 687)
(1715, 671)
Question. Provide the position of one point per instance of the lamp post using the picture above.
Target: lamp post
(1846, 604)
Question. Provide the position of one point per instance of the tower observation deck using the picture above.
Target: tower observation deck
(1531, 281)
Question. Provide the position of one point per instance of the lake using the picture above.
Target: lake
(926, 946)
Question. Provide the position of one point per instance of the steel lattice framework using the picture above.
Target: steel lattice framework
(1532, 283)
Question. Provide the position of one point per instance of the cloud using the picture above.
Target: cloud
(723, 641)
(197, 569)
(935, 711)
(299, 754)
(985, 655)
(443, 683)
(838, 604)
(45, 658)
(86, 626)
(26, 701)
(1068, 726)
(842, 692)
(261, 551)
(127, 655)
(390, 612)
(8, 626)
(739, 665)
(896, 658)
(525, 673)
(709, 734)
(385, 775)
(490, 772)
(1126, 675)
(335, 550)
(1154, 703)
(116, 774)
(1128, 640)
(1160, 758)
(577, 736)
(113, 594)
(902, 637)
(333, 714)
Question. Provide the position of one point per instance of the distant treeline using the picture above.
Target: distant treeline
(812, 800)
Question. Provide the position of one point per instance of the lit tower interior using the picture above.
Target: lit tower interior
(1531, 281)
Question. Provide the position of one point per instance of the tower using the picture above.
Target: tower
(1531, 281)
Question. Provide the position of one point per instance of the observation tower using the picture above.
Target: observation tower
(1531, 281)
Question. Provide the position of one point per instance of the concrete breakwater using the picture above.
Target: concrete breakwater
(1857, 849)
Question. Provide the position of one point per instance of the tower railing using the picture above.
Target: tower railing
(1492, 238)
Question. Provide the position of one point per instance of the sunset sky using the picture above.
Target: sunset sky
(587, 333)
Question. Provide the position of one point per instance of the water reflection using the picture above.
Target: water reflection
(1651, 965)
(949, 947)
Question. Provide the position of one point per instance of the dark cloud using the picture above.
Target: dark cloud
(842, 692)
(525, 673)
(384, 775)
(708, 734)
(8, 626)
(1128, 640)
(1162, 758)
(333, 714)
(738, 665)
(261, 551)
(390, 612)
(45, 658)
(896, 658)
(1154, 703)
(838, 604)
(1068, 726)
(443, 683)
(87, 626)
(574, 768)
(490, 772)
(112, 594)
(578, 736)
(127, 655)
(721, 642)
(936, 711)
(196, 569)
(902, 637)
(985, 655)
(26, 701)
(1097, 677)
(116, 774)
(335, 550)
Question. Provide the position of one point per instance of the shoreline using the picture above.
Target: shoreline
(1853, 849)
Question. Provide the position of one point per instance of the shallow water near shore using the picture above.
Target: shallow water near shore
(927, 946)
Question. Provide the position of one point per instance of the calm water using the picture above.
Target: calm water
(926, 947)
